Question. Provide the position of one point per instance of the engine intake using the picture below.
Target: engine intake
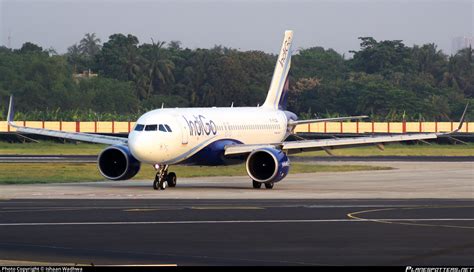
(267, 165)
(117, 163)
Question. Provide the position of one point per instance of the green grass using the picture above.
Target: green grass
(27, 173)
(50, 148)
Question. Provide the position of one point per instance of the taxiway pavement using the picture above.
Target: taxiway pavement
(448, 180)
(234, 232)
(420, 213)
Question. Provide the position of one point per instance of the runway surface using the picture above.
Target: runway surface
(416, 214)
(407, 180)
(238, 232)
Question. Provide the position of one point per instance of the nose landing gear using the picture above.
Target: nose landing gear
(163, 178)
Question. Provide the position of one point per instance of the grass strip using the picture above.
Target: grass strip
(28, 173)
(50, 148)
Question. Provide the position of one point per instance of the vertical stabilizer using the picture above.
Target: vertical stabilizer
(276, 97)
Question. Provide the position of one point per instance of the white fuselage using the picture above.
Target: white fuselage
(192, 129)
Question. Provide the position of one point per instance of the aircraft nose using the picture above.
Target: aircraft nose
(136, 144)
(141, 146)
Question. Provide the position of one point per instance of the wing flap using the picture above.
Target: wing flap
(355, 141)
(238, 149)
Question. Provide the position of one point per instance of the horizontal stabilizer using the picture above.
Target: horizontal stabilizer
(335, 119)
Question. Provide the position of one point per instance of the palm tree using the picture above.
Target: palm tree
(73, 50)
(90, 45)
(159, 67)
(76, 59)
(132, 63)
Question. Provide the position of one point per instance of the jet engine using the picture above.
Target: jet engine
(267, 165)
(117, 163)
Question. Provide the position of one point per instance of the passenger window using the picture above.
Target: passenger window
(150, 128)
(168, 128)
(162, 128)
(139, 127)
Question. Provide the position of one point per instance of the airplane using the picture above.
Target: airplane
(256, 136)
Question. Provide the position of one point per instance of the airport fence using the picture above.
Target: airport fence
(116, 127)
(383, 127)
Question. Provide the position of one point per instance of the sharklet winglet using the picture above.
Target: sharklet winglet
(461, 123)
(463, 116)
(11, 112)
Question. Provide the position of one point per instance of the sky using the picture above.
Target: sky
(239, 24)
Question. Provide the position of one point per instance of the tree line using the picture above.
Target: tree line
(385, 79)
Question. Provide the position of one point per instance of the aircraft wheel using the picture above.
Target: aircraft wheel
(163, 184)
(171, 179)
(156, 184)
(269, 185)
(256, 184)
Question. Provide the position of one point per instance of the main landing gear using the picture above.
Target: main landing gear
(163, 178)
(258, 185)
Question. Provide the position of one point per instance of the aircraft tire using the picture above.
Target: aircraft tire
(256, 184)
(269, 185)
(163, 184)
(171, 179)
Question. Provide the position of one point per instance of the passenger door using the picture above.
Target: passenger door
(184, 132)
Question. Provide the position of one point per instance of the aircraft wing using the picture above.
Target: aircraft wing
(328, 144)
(78, 136)
(325, 144)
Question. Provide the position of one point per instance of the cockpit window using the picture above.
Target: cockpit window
(168, 128)
(150, 127)
(162, 128)
(139, 127)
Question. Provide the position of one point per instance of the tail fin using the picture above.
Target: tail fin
(276, 97)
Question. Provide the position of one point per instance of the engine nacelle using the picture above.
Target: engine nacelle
(117, 163)
(267, 165)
